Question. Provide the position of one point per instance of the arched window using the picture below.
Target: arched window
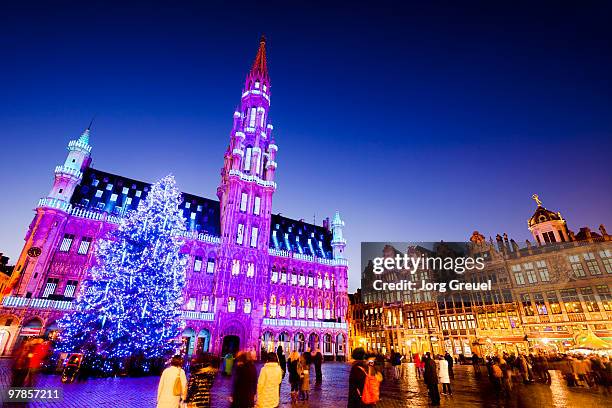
(272, 306)
(231, 304)
(247, 158)
(327, 344)
(247, 306)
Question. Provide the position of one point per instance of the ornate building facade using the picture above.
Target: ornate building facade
(254, 279)
(545, 296)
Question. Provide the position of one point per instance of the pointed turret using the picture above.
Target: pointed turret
(259, 71)
(69, 174)
(338, 242)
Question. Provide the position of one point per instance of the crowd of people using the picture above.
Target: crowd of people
(249, 389)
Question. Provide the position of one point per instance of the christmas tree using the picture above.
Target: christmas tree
(131, 305)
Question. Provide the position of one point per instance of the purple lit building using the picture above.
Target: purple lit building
(254, 279)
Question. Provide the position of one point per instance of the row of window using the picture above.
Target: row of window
(52, 284)
(526, 273)
(536, 303)
(244, 201)
(240, 239)
(68, 240)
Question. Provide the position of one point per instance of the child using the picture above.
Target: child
(304, 379)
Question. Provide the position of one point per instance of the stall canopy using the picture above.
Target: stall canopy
(589, 341)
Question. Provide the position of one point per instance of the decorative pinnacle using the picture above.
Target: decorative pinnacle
(260, 65)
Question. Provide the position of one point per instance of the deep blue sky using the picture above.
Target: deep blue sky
(420, 122)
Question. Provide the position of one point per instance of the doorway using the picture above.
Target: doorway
(231, 344)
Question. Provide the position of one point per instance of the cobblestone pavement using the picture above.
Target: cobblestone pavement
(408, 392)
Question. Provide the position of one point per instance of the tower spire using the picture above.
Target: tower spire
(259, 70)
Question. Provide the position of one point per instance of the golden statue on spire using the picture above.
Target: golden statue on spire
(537, 200)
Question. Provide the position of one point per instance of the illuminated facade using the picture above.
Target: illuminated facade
(545, 295)
(254, 279)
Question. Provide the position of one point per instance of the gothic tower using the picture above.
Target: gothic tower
(52, 212)
(245, 194)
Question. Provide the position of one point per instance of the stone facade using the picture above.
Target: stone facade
(254, 279)
(544, 297)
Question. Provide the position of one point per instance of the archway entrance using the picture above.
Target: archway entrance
(313, 341)
(203, 343)
(231, 344)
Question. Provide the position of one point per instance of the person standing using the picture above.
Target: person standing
(282, 361)
(268, 383)
(245, 382)
(449, 360)
(172, 386)
(418, 365)
(357, 378)
(396, 362)
(317, 359)
(444, 376)
(304, 371)
(293, 366)
(430, 375)
(200, 383)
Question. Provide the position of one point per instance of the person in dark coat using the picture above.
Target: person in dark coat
(294, 368)
(282, 361)
(357, 378)
(200, 383)
(245, 382)
(317, 359)
(450, 361)
(430, 375)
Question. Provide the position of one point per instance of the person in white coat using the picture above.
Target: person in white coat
(443, 376)
(268, 383)
(166, 397)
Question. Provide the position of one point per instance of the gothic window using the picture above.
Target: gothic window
(190, 304)
(589, 258)
(540, 305)
(274, 275)
(243, 202)
(543, 271)
(577, 267)
(254, 232)
(70, 288)
(257, 206)
(250, 270)
(235, 267)
(589, 299)
(302, 279)
(518, 275)
(247, 306)
(50, 287)
(527, 307)
(272, 307)
(66, 243)
(604, 295)
(606, 259)
(293, 309)
(247, 158)
(205, 304)
(553, 302)
(282, 307)
(84, 246)
(197, 264)
(210, 265)
(571, 301)
(231, 304)
(252, 117)
(531, 276)
(327, 344)
(240, 234)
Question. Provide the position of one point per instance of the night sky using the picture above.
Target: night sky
(418, 122)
